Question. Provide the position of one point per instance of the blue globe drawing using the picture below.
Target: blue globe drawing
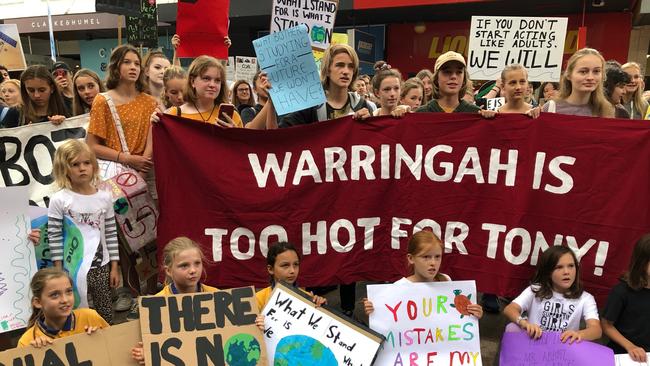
(242, 350)
(302, 350)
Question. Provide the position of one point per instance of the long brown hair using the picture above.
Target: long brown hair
(37, 285)
(418, 243)
(637, 276)
(235, 98)
(55, 104)
(425, 73)
(600, 106)
(117, 57)
(545, 267)
(78, 105)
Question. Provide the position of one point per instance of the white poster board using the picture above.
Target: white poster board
(17, 262)
(297, 332)
(230, 69)
(492, 104)
(422, 324)
(245, 68)
(317, 15)
(625, 360)
(29, 151)
(536, 43)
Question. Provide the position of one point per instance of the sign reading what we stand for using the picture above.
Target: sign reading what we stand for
(299, 333)
(349, 194)
(426, 323)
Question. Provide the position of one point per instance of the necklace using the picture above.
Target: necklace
(201, 114)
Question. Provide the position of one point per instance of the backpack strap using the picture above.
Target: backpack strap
(117, 121)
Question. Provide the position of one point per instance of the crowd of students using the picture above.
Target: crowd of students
(137, 91)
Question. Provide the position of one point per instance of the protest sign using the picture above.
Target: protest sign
(11, 49)
(492, 104)
(287, 59)
(317, 15)
(518, 349)
(536, 43)
(136, 213)
(230, 69)
(143, 30)
(245, 68)
(202, 328)
(297, 332)
(26, 154)
(349, 195)
(202, 26)
(625, 360)
(423, 325)
(18, 263)
(106, 347)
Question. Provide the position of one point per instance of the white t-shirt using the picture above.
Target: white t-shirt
(558, 313)
(404, 280)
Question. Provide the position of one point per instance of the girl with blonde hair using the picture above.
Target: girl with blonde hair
(633, 100)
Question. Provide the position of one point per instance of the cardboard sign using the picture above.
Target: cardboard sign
(11, 48)
(426, 323)
(107, 347)
(287, 59)
(143, 30)
(625, 360)
(136, 213)
(518, 349)
(18, 262)
(536, 43)
(26, 155)
(297, 332)
(245, 68)
(202, 328)
(493, 104)
(317, 15)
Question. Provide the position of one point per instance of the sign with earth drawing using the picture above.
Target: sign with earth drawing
(297, 332)
(317, 15)
(202, 329)
(426, 323)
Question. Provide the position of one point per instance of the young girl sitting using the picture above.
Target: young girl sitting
(556, 300)
(76, 173)
(183, 263)
(52, 314)
(581, 87)
(515, 83)
(626, 319)
(283, 265)
(424, 256)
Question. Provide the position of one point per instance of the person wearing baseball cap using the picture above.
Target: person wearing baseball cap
(63, 78)
(450, 81)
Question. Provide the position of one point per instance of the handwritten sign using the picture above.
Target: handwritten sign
(10, 47)
(18, 262)
(28, 151)
(245, 68)
(317, 15)
(426, 323)
(493, 104)
(518, 349)
(297, 332)
(230, 69)
(107, 347)
(202, 328)
(143, 30)
(536, 43)
(287, 59)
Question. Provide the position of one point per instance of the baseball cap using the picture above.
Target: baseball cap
(61, 65)
(446, 57)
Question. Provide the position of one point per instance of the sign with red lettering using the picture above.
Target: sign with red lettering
(350, 194)
(202, 26)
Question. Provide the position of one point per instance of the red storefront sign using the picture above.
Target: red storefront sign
(412, 47)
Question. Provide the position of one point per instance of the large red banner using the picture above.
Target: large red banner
(348, 194)
(202, 26)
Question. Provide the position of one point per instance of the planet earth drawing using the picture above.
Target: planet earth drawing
(302, 350)
(242, 350)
